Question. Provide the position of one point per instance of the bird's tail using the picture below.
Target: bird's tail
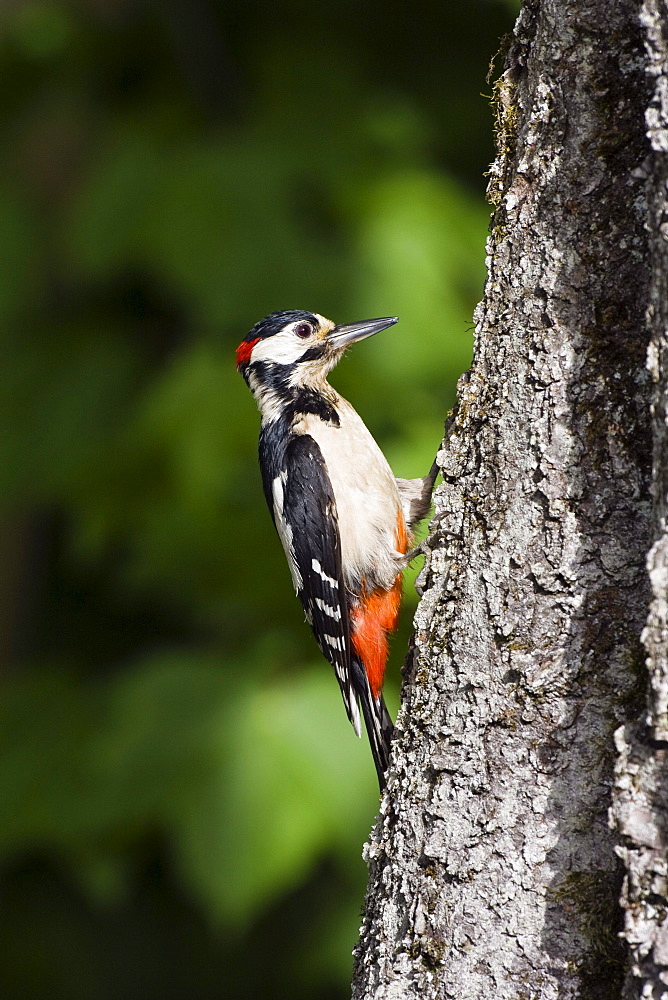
(377, 720)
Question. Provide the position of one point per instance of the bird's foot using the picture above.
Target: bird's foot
(425, 548)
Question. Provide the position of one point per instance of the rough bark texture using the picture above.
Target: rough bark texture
(641, 799)
(493, 870)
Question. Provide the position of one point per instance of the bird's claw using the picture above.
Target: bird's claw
(425, 548)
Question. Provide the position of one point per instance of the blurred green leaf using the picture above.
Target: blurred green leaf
(60, 409)
(291, 794)
(239, 777)
(19, 251)
(41, 30)
(420, 240)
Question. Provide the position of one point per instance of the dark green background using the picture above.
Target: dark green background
(182, 800)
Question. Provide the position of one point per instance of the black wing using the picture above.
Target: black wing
(300, 497)
(306, 519)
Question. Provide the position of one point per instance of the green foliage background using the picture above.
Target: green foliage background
(183, 801)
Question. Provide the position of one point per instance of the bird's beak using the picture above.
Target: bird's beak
(348, 333)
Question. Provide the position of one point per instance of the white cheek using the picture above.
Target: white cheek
(283, 348)
(269, 403)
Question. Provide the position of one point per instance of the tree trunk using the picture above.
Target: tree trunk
(493, 870)
(641, 799)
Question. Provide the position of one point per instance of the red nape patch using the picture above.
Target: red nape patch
(244, 351)
(372, 619)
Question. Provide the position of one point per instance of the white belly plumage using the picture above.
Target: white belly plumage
(367, 498)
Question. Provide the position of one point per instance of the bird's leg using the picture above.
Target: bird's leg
(426, 546)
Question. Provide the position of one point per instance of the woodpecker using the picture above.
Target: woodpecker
(343, 518)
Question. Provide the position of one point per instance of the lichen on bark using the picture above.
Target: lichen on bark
(494, 827)
(640, 811)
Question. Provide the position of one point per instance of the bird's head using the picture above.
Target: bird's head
(293, 349)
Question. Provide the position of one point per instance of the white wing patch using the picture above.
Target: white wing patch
(285, 531)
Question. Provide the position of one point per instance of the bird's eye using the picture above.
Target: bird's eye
(303, 329)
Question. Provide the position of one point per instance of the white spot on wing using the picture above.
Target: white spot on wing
(334, 613)
(323, 576)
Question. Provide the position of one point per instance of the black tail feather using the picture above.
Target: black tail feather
(377, 720)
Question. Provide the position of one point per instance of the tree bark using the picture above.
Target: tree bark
(493, 870)
(641, 791)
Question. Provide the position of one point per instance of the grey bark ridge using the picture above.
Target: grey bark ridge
(640, 811)
(493, 870)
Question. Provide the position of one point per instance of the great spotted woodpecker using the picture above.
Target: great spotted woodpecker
(343, 518)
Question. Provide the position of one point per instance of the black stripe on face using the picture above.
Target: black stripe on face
(297, 399)
(314, 353)
(274, 376)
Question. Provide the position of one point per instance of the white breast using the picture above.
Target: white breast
(366, 493)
